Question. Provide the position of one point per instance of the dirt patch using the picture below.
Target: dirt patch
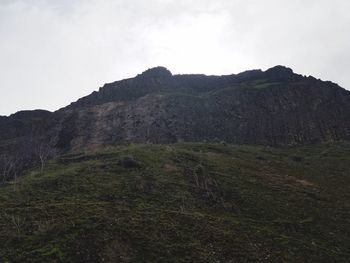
(304, 182)
(170, 168)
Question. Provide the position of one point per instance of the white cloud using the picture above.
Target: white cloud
(55, 51)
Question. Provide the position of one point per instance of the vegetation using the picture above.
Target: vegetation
(182, 203)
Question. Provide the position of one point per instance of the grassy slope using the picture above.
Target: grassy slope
(187, 203)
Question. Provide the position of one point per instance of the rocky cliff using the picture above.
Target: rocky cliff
(275, 106)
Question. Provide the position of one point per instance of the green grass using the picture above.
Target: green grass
(267, 85)
(186, 203)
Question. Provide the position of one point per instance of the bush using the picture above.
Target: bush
(129, 162)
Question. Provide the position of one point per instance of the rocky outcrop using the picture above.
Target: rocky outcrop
(22, 123)
(254, 107)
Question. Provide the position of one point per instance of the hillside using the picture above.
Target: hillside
(191, 202)
(272, 107)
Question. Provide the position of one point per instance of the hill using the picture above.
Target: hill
(191, 202)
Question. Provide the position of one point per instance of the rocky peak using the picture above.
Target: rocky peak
(157, 72)
(279, 72)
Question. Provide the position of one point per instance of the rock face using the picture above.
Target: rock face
(254, 107)
(22, 123)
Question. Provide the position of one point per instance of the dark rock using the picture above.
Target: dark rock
(157, 72)
(279, 72)
(253, 107)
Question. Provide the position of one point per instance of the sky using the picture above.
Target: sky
(53, 52)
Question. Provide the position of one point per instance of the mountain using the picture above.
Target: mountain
(252, 167)
(271, 107)
(191, 202)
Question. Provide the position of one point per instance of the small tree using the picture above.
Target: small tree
(43, 153)
(10, 167)
(38, 150)
(6, 166)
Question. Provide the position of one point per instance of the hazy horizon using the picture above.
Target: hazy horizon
(54, 52)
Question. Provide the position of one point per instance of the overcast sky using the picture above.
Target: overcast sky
(54, 51)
